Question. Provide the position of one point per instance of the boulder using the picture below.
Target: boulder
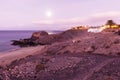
(118, 32)
(90, 49)
(37, 35)
(23, 42)
(46, 40)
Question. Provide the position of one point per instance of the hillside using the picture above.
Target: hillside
(70, 55)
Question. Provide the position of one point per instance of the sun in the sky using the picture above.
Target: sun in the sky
(49, 13)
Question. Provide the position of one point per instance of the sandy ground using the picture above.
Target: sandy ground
(7, 57)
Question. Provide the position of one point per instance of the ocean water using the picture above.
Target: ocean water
(7, 36)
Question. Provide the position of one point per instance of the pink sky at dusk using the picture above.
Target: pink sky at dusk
(56, 14)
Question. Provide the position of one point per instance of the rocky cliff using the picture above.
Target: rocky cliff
(70, 55)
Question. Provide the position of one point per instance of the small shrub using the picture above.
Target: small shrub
(12, 64)
(107, 46)
(1, 67)
(28, 56)
(116, 41)
(40, 67)
(118, 53)
(67, 52)
(109, 78)
(44, 60)
(21, 59)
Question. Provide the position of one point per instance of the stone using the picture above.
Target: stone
(90, 49)
(37, 35)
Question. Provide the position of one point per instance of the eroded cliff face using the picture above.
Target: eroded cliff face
(78, 56)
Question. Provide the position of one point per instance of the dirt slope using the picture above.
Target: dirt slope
(85, 56)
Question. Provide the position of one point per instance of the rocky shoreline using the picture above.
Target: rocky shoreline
(70, 55)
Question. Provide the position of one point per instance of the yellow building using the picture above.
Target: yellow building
(110, 27)
(80, 28)
(115, 26)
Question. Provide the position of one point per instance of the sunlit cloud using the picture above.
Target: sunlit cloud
(107, 14)
(101, 18)
(91, 19)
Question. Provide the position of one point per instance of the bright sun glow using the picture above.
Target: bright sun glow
(48, 14)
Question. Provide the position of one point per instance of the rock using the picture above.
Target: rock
(43, 38)
(90, 49)
(37, 38)
(15, 42)
(46, 40)
(31, 41)
(118, 32)
(23, 42)
(38, 34)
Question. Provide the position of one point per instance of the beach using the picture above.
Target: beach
(8, 57)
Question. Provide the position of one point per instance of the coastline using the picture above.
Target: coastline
(9, 56)
(9, 50)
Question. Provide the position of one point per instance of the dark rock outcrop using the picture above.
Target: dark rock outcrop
(37, 35)
(23, 42)
(43, 38)
(30, 41)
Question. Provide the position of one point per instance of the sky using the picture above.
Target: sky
(56, 14)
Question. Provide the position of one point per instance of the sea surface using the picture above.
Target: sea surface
(7, 36)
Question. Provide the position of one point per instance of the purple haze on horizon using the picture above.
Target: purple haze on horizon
(30, 14)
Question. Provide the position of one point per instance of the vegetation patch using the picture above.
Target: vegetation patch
(40, 67)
